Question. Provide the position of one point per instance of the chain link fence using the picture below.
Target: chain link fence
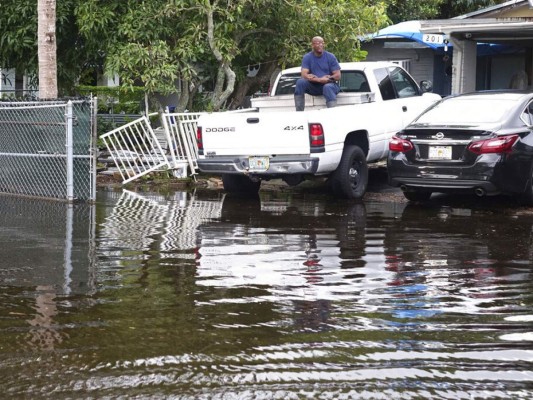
(48, 148)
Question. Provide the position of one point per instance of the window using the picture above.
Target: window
(527, 115)
(403, 83)
(395, 83)
(351, 81)
(287, 83)
(385, 84)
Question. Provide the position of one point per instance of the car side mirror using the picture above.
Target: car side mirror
(426, 86)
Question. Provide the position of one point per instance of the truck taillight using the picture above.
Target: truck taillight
(502, 144)
(199, 140)
(400, 145)
(316, 137)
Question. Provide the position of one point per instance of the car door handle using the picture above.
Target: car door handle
(404, 108)
(252, 120)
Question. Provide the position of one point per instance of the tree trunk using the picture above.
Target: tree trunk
(47, 52)
(252, 85)
(225, 76)
(183, 100)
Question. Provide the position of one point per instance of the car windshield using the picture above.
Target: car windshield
(467, 111)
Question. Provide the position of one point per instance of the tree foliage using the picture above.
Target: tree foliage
(243, 34)
(163, 45)
(18, 35)
(453, 8)
(405, 10)
(211, 42)
(18, 40)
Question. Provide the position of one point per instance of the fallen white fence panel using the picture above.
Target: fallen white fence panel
(135, 150)
(181, 136)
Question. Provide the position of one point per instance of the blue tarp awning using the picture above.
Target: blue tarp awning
(406, 30)
(410, 30)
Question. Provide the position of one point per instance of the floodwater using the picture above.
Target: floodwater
(200, 295)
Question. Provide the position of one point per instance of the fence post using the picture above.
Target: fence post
(167, 119)
(94, 146)
(70, 155)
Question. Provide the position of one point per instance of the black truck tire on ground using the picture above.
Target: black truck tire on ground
(240, 184)
(350, 179)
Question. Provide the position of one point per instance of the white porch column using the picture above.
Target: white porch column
(464, 65)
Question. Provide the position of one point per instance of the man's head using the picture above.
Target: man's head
(317, 44)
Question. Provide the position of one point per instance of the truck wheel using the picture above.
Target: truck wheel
(240, 184)
(351, 176)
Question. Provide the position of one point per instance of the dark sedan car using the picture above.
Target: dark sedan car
(478, 143)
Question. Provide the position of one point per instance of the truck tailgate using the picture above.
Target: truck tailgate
(254, 133)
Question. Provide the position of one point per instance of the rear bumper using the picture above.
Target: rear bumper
(445, 185)
(279, 165)
(490, 174)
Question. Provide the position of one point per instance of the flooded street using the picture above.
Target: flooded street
(293, 295)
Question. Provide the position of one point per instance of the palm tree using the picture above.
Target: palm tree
(46, 48)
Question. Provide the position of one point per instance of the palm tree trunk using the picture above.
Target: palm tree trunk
(46, 44)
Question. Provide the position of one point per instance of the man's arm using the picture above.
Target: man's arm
(306, 74)
(335, 76)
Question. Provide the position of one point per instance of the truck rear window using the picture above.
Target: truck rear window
(351, 81)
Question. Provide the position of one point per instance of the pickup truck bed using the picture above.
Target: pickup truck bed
(285, 102)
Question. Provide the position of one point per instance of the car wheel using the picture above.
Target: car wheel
(350, 179)
(417, 196)
(240, 184)
(526, 198)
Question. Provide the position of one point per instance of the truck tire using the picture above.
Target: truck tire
(350, 179)
(240, 184)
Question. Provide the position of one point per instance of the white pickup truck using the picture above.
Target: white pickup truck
(273, 141)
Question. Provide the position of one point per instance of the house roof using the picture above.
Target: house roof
(404, 30)
(494, 35)
(509, 8)
(509, 31)
(508, 24)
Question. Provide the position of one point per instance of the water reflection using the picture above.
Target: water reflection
(46, 243)
(405, 260)
(296, 251)
(152, 222)
(47, 250)
(43, 334)
(289, 295)
(458, 260)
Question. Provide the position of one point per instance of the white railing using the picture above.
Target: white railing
(135, 150)
(180, 129)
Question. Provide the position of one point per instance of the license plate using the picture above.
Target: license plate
(440, 152)
(258, 163)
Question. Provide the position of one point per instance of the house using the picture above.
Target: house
(486, 49)
(12, 84)
(424, 58)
